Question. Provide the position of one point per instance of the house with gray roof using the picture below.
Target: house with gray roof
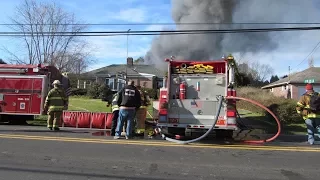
(147, 76)
(293, 86)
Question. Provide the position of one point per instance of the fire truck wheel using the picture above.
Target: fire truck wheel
(224, 134)
(172, 132)
(18, 120)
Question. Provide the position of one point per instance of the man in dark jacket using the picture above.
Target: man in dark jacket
(129, 101)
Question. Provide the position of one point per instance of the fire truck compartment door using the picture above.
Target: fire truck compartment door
(191, 111)
(17, 103)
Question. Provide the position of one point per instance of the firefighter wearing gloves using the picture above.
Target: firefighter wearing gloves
(115, 114)
(309, 107)
(55, 103)
(128, 101)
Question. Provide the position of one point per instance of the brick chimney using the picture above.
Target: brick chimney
(129, 61)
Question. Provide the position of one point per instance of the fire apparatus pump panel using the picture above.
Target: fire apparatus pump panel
(196, 100)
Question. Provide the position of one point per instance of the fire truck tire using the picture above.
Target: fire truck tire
(172, 132)
(224, 134)
(18, 120)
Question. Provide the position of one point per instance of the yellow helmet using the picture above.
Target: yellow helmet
(56, 82)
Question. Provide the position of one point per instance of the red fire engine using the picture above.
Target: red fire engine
(23, 89)
(188, 100)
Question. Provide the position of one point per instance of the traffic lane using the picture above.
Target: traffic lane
(33, 159)
(101, 135)
(267, 147)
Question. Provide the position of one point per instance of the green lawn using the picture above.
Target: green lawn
(252, 119)
(86, 104)
(81, 104)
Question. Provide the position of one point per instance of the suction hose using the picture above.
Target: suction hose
(216, 118)
(205, 134)
(269, 111)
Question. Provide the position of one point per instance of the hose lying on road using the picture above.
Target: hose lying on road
(216, 118)
(205, 134)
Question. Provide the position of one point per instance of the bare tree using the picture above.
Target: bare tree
(260, 72)
(311, 62)
(256, 70)
(42, 25)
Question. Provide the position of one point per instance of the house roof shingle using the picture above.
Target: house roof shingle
(297, 78)
(132, 71)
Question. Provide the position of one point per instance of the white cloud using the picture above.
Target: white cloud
(110, 48)
(155, 28)
(135, 15)
(281, 60)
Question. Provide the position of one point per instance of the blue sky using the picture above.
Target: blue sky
(111, 50)
(107, 50)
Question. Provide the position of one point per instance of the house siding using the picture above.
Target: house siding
(144, 76)
(151, 83)
(280, 92)
(295, 92)
(143, 82)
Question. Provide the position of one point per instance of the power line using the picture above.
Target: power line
(143, 24)
(317, 46)
(103, 33)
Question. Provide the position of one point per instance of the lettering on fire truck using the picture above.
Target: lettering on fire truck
(23, 99)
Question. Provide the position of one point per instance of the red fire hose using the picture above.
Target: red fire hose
(268, 110)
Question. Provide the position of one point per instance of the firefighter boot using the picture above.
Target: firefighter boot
(56, 121)
(50, 120)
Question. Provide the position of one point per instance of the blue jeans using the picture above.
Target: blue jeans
(125, 115)
(311, 128)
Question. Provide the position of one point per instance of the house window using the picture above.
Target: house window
(110, 82)
(160, 84)
(107, 82)
(121, 83)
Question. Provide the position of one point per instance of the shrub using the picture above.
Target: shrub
(153, 93)
(105, 92)
(99, 91)
(93, 90)
(78, 92)
(283, 108)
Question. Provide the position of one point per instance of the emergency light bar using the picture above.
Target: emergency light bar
(13, 70)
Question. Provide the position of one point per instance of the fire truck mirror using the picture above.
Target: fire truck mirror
(1, 97)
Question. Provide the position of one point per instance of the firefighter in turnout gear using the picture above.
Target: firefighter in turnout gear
(56, 101)
(115, 113)
(141, 113)
(309, 107)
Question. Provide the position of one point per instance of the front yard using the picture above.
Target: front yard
(250, 119)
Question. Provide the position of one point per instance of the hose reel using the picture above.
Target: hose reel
(184, 66)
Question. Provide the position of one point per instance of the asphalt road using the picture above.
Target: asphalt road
(38, 154)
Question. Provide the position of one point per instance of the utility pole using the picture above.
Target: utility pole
(289, 73)
(127, 55)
